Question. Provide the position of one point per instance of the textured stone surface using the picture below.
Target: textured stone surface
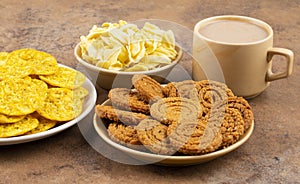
(271, 155)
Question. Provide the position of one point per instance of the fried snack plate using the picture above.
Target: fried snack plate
(88, 105)
(165, 160)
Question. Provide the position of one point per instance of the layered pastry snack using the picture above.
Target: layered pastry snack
(180, 118)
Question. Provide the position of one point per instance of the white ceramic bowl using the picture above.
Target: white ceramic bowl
(108, 79)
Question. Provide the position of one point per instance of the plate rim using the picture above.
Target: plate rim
(32, 137)
(164, 159)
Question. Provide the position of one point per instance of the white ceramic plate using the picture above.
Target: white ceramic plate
(88, 105)
(150, 158)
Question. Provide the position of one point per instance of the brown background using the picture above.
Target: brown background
(271, 155)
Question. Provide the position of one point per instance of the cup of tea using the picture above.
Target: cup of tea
(237, 50)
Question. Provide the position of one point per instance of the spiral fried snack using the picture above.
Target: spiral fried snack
(185, 89)
(212, 94)
(243, 106)
(154, 137)
(194, 137)
(125, 135)
(232, 127)
(149, 89)
(127, 99)
(116, 115)
(174, 109)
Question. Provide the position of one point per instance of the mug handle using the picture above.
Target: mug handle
(289, 58)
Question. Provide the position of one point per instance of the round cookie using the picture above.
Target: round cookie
(173, 109)
(42, 91)
(44, 124)
(116, 115)
(64, 78)
(41, 63)
(125, 135)
(18, 128)
(80, 92)
(3, 57)
(10, 119)
(154, 137)
(21, 96)
(127, 99)
(149, 89)
(10, 71)
(60, 105)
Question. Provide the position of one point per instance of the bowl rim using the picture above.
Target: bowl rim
(77, 49)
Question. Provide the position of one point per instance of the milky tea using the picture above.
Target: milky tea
(237, 50)
(233, 31)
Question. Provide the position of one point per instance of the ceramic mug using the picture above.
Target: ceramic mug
(237, 50)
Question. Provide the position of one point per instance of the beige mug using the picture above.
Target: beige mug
(237, 50)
